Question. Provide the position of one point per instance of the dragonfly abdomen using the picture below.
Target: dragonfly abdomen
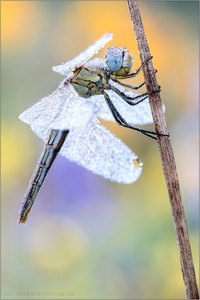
(51, 149)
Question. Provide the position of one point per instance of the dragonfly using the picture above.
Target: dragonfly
(68, 122)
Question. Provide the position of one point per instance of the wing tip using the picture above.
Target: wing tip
(20, 117)
(59, 69)
(109, 35)
(135, 173)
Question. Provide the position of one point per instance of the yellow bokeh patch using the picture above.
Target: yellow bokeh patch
(14, 155)
(19, 24)
(56, 245)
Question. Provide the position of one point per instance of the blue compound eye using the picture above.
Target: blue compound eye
(114, 58)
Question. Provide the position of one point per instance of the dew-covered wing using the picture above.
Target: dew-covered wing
(69, 67)
(62, 109)
(95, 64)
(98, 150)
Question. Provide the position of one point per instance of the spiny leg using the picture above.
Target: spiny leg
(131, 75)
(131, 100)
(120, 120)
(130, 86)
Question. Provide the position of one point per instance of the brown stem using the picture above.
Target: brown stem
(167, 156)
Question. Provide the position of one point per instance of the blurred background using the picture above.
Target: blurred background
(87, 237)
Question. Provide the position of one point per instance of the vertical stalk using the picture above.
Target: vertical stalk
(167, 156)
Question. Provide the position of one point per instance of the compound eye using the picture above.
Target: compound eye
(114, 58)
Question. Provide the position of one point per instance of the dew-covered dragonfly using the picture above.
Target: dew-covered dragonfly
(67, 119)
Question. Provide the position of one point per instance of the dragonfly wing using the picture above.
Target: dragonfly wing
(95, 64)
(63, 109)
(98, 150)
(69, 67)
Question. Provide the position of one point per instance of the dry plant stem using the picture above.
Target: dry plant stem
(167, 156)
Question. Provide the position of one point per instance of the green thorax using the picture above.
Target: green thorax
(88, 83)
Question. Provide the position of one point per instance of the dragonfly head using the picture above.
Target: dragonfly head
(119, 60)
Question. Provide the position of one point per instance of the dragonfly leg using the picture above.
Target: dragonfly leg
(133, 100)
(120, 120)
(131, 75)
(130, 86)
(51, 149)
(130, 100)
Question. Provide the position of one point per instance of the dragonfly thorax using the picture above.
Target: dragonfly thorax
(119, 60)
(92, 78)
(88, 82)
